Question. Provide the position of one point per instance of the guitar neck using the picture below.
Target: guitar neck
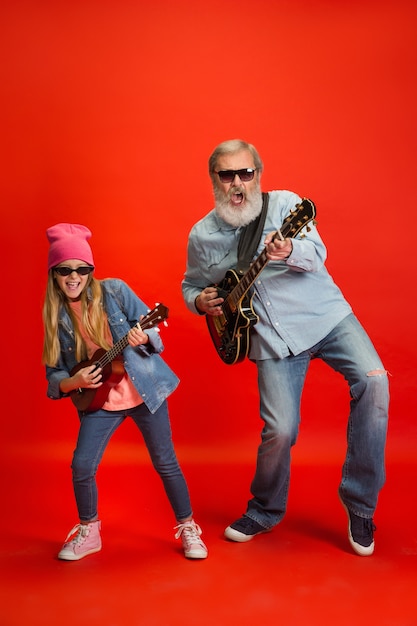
(245, 283)
(155, 317)
(247, 280)
(114, 351)
(293, 224)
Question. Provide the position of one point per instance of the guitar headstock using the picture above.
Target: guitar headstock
(158, 315)
(303, 214)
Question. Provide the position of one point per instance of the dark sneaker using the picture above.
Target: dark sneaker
(244, 529)
(361, 533)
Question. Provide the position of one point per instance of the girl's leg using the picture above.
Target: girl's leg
(156, 431)
(95, 432)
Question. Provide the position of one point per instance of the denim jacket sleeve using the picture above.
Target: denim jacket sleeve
(66, 360)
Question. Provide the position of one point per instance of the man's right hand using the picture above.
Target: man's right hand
(208, 301)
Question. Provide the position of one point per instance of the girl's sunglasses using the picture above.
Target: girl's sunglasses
(83, 270)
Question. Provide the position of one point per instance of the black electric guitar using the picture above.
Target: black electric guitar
(230, 331)
(112, 369)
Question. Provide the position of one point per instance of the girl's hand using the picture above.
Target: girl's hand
(136, 336)
(88, 377)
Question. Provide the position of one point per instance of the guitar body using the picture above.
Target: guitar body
(93, 399)
(230, 331)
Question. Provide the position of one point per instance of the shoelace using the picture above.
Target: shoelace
(363, 528)
(82, 531)
(369, 528)
(190, 532)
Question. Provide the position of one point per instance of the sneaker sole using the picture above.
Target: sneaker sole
(361, 550)
(196, 554)
(76, 557)
(236, 535)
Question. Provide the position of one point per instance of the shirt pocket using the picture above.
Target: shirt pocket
(218, 257)
(118, 324)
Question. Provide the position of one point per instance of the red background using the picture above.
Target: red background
(110, 111)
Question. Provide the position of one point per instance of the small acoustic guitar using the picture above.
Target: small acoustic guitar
(89, 400)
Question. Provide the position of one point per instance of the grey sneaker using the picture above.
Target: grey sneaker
(85, 540)
(193, 545)
(244, 529)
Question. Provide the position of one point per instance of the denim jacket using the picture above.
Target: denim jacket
(151, 376)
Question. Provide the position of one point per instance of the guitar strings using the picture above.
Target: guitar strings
(288, 228)
(108, 357)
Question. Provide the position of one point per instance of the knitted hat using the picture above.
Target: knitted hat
(68, 241)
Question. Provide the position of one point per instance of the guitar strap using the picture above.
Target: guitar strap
(250, 237)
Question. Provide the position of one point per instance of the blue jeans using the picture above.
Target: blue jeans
(95, 432)
(348, 350)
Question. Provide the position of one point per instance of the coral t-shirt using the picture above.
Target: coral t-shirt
(122, 395)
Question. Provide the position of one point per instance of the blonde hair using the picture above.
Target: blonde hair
(92, 315)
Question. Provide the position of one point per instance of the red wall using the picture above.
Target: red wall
(110, 111)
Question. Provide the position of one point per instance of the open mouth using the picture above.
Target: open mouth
(236, 196)
(72, 285)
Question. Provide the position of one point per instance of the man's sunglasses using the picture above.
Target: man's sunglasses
(228, 176)
(83, 270)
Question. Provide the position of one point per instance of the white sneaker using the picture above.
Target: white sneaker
(192, 544)
(86, 541)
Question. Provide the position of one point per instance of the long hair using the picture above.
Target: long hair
(92, 315)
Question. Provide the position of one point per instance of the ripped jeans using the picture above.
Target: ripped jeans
(348, 350)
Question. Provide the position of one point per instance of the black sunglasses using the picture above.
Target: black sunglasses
(227, 176)
(83, 270)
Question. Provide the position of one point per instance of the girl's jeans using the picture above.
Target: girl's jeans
(95, 432)
(348, 350)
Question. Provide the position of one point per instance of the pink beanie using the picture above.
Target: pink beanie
(68, 241)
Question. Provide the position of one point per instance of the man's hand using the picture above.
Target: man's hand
(208, 301)
(277, 249)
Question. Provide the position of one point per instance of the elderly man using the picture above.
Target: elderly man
(291, 311)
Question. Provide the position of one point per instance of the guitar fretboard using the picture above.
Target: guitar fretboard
(154, 318)
(292, 225)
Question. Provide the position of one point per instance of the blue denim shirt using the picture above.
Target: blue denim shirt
(297, 302)
(151, 376)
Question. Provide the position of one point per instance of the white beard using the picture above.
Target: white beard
(237, 216)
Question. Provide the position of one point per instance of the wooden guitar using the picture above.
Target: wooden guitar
(89, 400)
(230, 331)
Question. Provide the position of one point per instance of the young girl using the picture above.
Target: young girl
(81, 315)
